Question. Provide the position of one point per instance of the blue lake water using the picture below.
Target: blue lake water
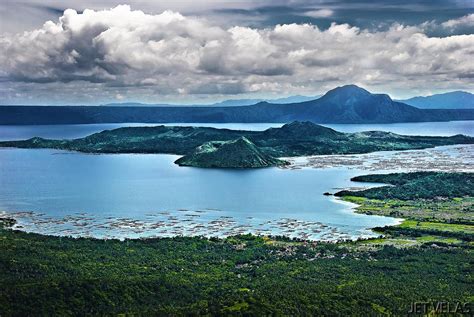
(18, 132)
(131, 195)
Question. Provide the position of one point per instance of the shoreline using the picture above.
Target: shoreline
(19, 226)
(209, 238)
(354, 209)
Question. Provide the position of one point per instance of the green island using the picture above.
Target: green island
(428, 258)
(239, 153)
(201, 146)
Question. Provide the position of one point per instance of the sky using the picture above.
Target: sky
(192, 52)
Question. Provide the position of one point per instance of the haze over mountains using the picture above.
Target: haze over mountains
(450, 100)
(346, 104)
(224, 103)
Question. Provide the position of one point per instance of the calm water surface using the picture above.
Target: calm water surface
(132, 195)
(20, 132)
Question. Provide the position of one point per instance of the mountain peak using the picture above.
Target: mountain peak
(302, 128)
(350, 95)
(242, 141)
(238, 153)
(300, 124)
(346, 95)
(349, 89)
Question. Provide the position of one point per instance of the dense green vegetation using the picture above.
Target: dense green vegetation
(435, 204)
(239, 153)
(293, 139)
(418, 185)
(43, 275)
(438, 206)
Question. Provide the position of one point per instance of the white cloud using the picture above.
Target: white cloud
(127, 52)
(467, 20)
(321, 13)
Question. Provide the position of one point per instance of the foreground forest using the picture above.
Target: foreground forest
(419, 261)
(61, 276)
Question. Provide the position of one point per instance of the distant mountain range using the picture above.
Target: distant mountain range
(224, 103)
(249, 102)
(450, 100)
(346, 104)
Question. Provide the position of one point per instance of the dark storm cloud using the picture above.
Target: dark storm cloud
(248, 47)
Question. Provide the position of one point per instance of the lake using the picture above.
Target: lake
(19, 132)
(134, 195)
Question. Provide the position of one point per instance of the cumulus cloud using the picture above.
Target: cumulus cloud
(124, 52)
(321, 13)
(467, 20)
(462, 25)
